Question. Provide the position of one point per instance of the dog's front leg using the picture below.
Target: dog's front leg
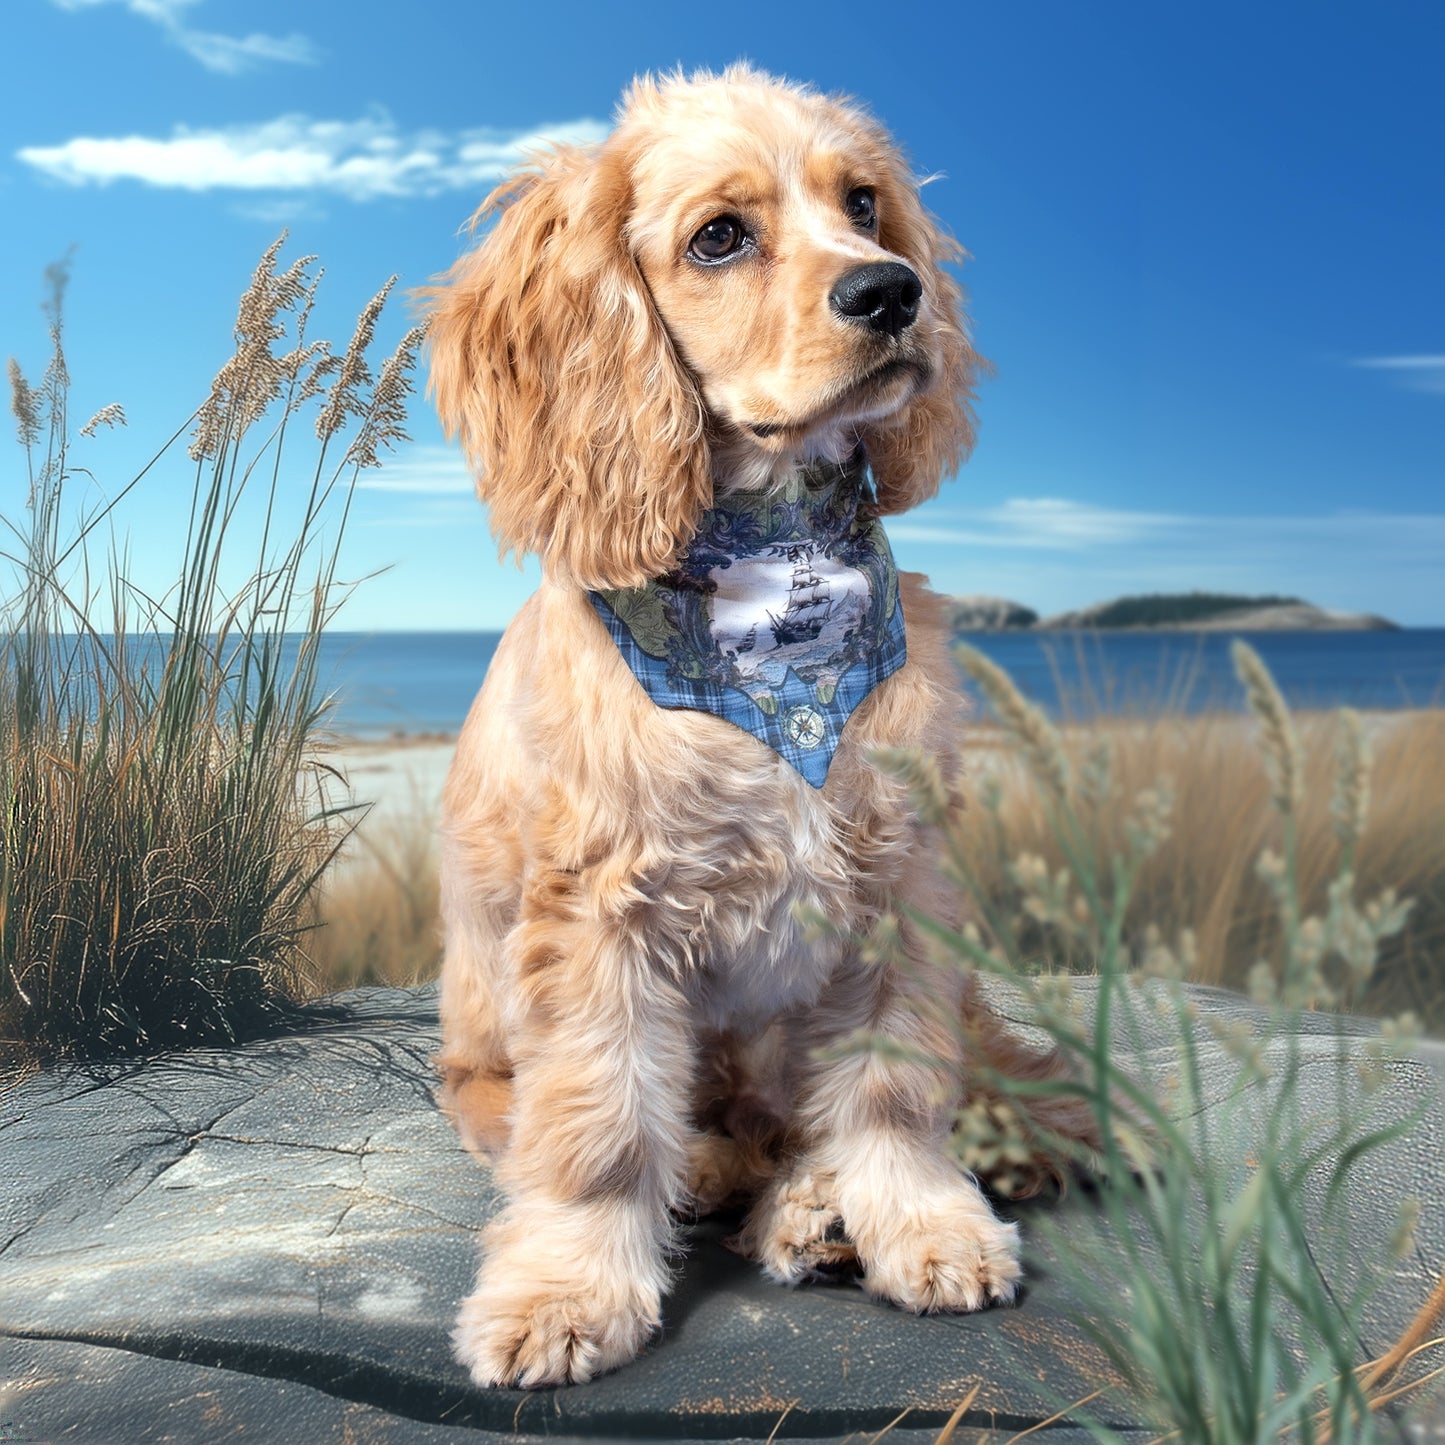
(874, 1168)
(573, 1269)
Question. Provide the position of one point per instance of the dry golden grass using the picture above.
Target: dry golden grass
(1203, 876)
(378, 911)
(156, 852)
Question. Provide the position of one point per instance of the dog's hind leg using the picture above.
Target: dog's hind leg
(741, 1109)
(479, 1105)
(1059, 1129)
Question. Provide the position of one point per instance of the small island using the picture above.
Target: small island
(1164, 611)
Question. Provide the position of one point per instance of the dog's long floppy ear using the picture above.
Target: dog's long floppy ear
(547, 356)
(910, 453)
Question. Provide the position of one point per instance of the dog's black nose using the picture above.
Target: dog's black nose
(885, 294)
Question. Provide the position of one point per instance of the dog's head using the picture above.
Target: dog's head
(742, 277)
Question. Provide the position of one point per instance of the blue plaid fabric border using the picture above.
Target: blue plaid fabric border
(781, 616)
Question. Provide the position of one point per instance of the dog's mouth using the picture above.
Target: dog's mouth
(860, 399)
(875, 382)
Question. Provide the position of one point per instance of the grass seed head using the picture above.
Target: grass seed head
(1407, 1220)
(1280, 739)
(1350, 804)
(254, 376)
(112, 415)
(919, 772)
(25, 404)
(385, 423)
(1031, 730)
(353, 375)
(1096, 776)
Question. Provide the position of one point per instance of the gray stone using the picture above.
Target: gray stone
(271, 1242)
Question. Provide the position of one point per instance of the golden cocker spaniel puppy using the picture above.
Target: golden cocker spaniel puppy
(691, 368)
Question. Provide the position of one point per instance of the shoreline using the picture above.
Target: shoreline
(400, 776)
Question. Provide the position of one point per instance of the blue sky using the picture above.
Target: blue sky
(1206, 248)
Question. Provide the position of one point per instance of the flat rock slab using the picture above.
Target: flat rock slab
(270, 1243)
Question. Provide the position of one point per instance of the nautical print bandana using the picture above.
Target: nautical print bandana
(781, 616)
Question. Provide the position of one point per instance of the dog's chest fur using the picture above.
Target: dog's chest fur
(777, 866)
(765, 882)
(745, 881)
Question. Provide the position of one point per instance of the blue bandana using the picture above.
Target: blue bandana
(781, 616)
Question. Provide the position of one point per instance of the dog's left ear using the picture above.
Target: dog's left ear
(911, 452)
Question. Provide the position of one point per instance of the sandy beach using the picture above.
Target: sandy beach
(397, 779)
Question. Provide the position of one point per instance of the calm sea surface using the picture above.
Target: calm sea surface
(424, 682)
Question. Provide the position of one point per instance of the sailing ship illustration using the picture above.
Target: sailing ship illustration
(810, 602)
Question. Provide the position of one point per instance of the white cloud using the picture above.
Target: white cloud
(273, 210)
(1050, 523)
(1054, 524)
(422, 470)
(361, 160)
(1422, 372)
(231, 54)
(224, 54)
(1403, 363)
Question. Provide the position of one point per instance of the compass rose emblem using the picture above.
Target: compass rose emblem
(804, 727)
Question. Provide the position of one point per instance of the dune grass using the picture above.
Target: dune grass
(375, 915)
(160, 831)
(1229, 1272)
(1202, 883)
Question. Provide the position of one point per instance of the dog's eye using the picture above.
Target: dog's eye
(719, 238)
(861, 208)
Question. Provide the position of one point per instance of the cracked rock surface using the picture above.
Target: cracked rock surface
(270, 1243)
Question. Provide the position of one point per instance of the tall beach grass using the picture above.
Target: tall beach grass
(1202, 878)
(1226, 1276)
(159, 838)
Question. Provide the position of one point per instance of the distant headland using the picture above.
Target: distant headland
(1177, 611)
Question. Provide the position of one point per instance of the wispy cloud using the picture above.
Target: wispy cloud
(422, 470)
(1057, 525)
(224, 54)
(362, 160)
(1422, 372)
(1049, 523)
(276, 210)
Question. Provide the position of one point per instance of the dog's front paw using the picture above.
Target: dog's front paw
(947, 1254)
(795, 1230)
(537, 1337)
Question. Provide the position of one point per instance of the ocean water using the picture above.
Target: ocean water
(423, 682)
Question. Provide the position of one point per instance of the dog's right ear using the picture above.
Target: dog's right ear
(547, 356)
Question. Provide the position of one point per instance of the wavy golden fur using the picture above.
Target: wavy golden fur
(635, 1022)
